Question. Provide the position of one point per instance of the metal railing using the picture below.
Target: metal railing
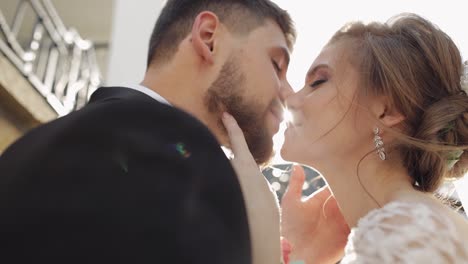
(58, 63)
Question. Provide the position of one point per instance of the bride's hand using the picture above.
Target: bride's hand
(315, 226)
(261, 201)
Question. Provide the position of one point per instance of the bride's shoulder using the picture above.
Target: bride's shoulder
(402, 219)
(408, 230)
(402, 213)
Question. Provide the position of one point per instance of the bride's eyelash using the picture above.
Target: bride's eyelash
(317, 83)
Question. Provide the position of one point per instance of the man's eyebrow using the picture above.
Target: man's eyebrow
(312, 71)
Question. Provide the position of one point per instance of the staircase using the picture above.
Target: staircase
(46, 69)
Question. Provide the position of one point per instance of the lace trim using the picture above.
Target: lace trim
(405, 233)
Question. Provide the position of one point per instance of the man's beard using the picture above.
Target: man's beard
(225, 95)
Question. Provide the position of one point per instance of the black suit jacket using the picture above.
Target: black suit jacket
(126, 179)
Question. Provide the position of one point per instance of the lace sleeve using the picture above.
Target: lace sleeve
(405, 233)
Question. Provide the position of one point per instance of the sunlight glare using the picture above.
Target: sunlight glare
(288, 116)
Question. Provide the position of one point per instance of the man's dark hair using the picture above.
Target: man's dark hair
(239, 16)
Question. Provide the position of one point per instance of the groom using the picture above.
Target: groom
(137, 175)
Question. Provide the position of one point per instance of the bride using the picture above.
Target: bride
(384, 118)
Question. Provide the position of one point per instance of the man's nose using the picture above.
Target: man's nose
(285, 91)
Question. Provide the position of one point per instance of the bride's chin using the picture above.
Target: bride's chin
(286, 153)
(283, 154)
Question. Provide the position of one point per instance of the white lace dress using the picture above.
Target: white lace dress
(405, 233)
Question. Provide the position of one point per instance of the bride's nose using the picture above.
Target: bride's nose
(294, 101)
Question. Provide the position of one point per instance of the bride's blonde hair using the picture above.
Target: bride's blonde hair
(420, 69)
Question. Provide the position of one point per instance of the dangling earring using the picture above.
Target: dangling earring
(379, 144)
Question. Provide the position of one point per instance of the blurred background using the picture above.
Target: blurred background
(55, 53)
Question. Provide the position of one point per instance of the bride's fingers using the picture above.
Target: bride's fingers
(238, 144)
(294, 190)
(323, 195)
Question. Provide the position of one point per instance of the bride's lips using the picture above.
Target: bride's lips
(294, 123)
(293, 118)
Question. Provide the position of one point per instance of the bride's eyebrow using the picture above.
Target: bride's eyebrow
(312, 71)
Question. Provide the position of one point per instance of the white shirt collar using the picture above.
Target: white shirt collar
(149, 92)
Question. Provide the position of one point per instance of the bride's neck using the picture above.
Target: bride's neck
(375, 184)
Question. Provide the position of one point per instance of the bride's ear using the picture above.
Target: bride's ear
(386, 112)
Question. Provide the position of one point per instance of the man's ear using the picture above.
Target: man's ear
(388, 115)
(203, 35)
